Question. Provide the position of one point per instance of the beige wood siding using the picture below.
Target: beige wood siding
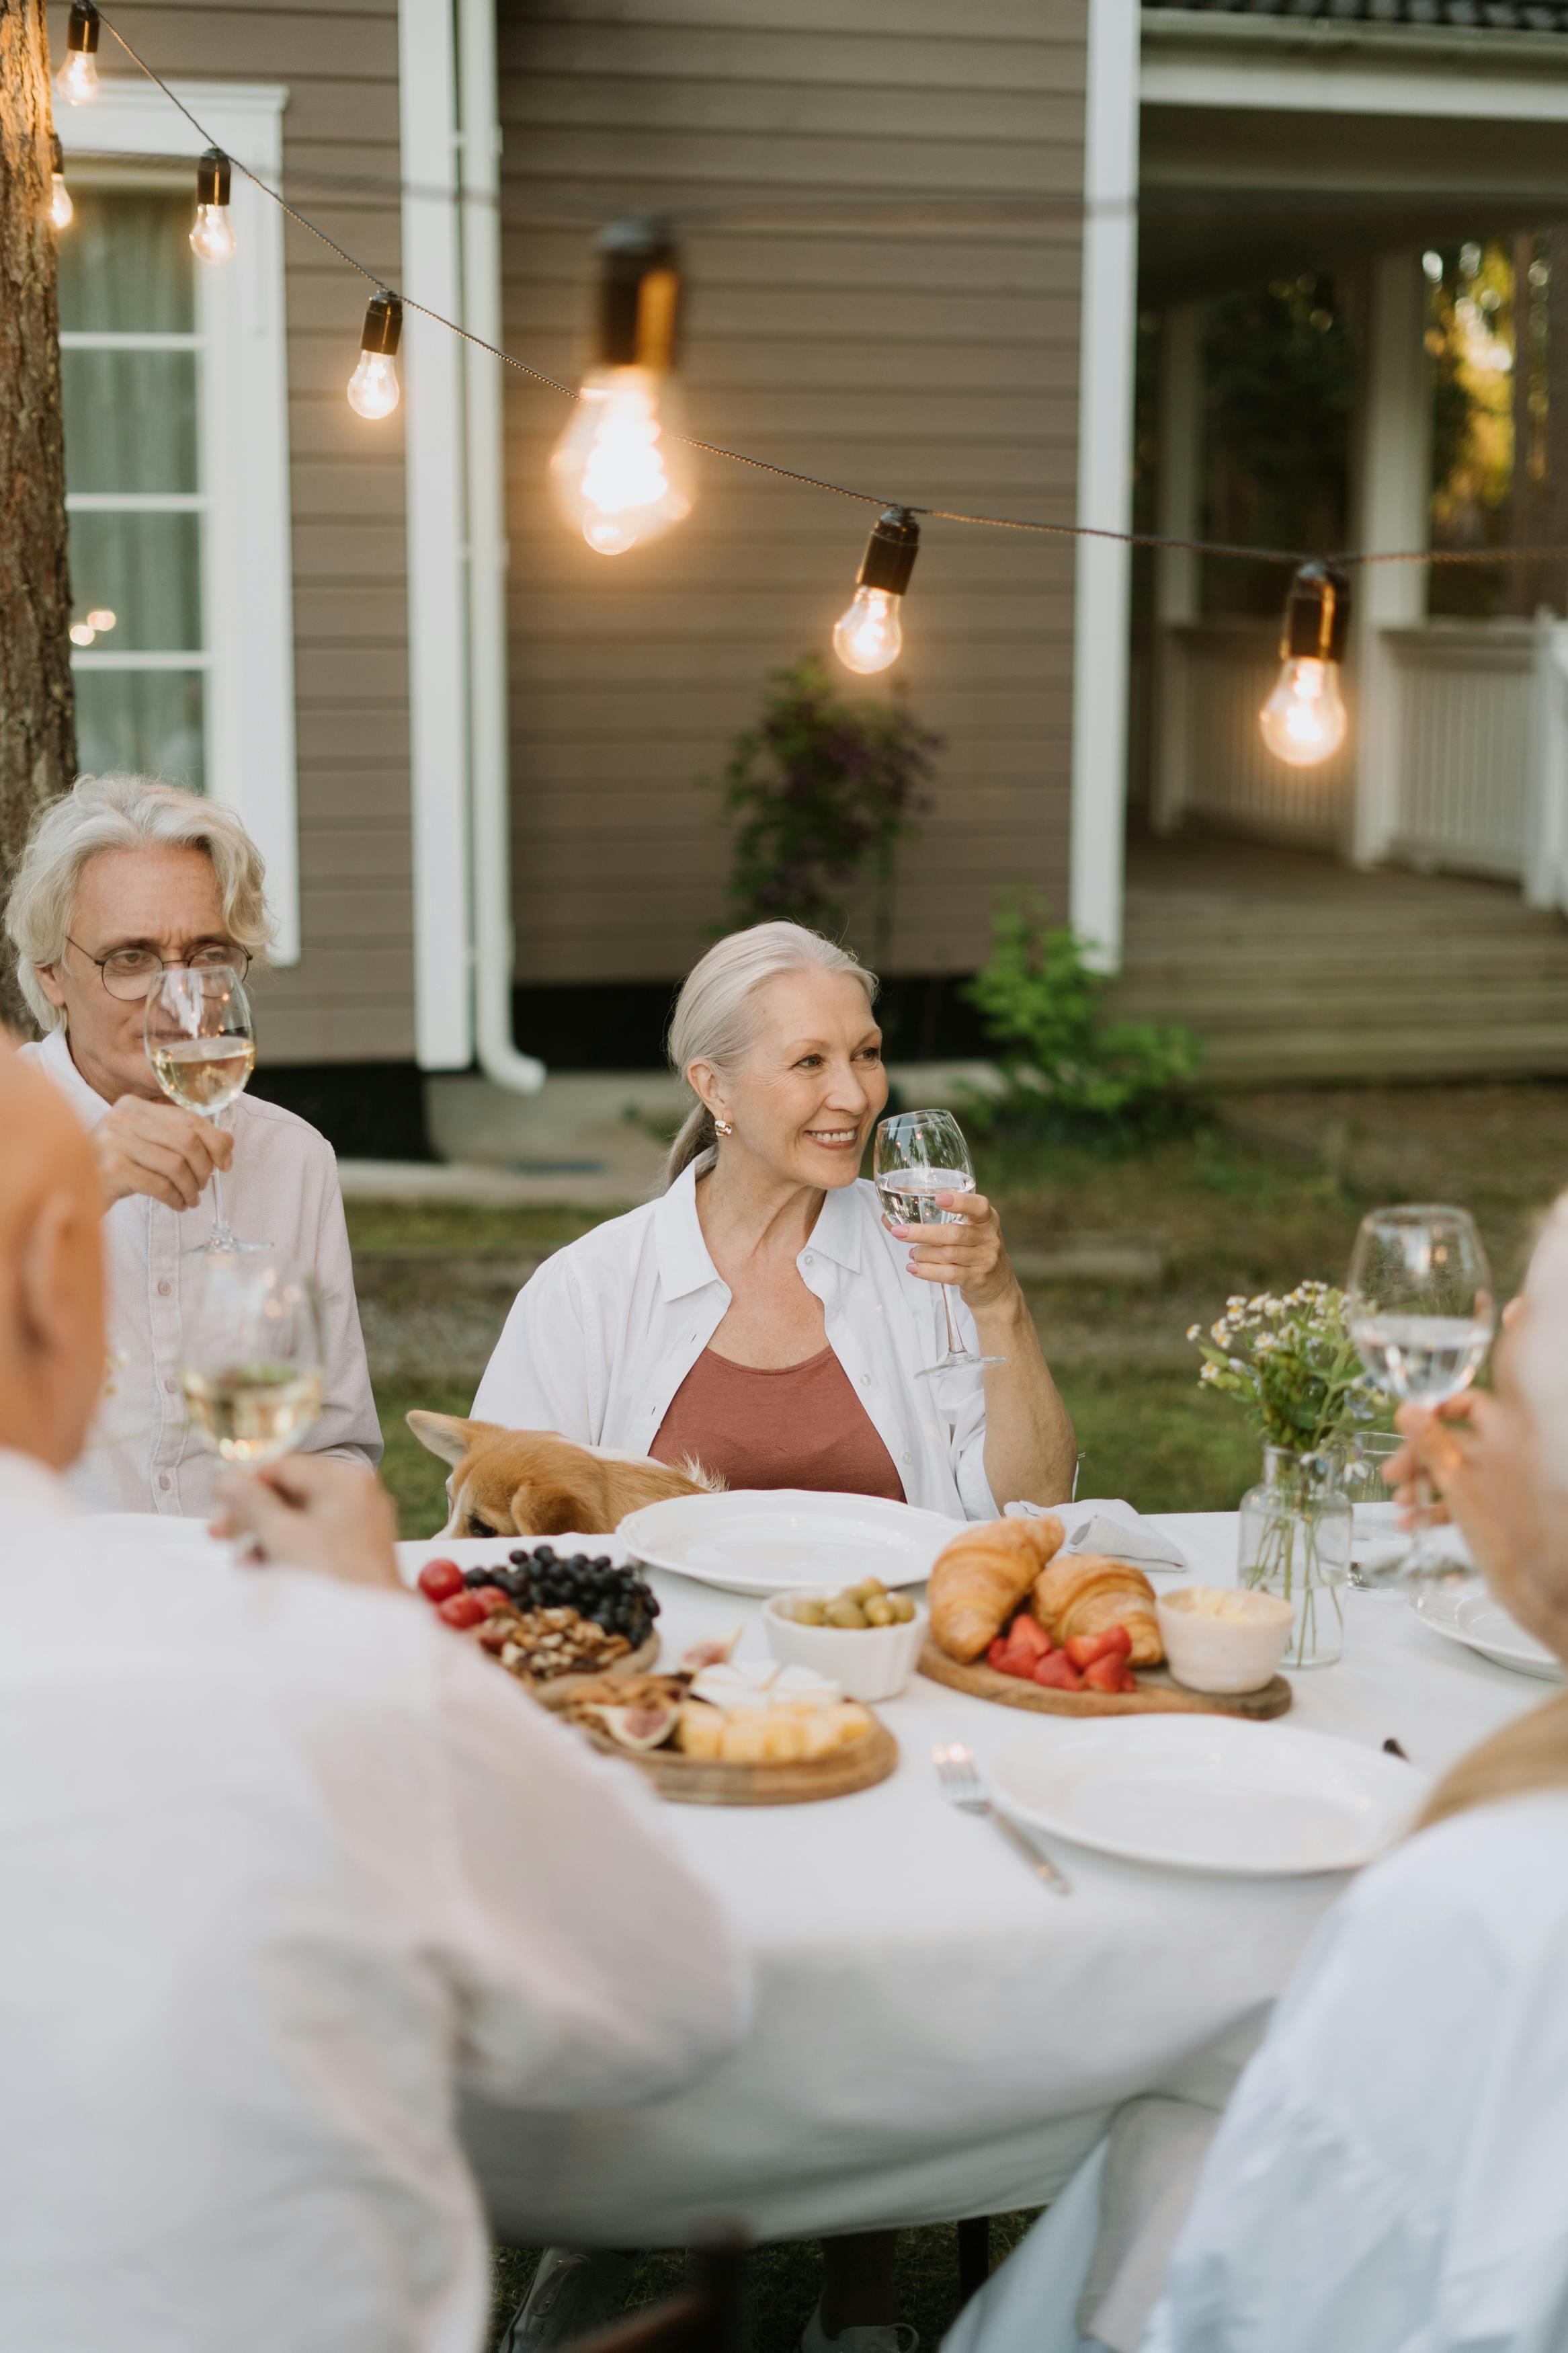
(350, 997)
(927, 355)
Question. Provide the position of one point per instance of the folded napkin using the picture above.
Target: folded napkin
(1119, 1532)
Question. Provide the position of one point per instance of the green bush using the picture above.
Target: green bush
(1068, 1071)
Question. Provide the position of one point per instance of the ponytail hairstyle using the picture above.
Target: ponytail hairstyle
(717, 1016)
(1533, 1754)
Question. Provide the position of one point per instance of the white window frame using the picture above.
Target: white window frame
(248, 602)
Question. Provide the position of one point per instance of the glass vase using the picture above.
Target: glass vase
(1295, 1541)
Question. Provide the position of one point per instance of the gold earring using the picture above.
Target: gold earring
(722, 1126)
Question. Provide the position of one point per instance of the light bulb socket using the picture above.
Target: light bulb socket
(383, 324)
(211, 177)
(891, 551)
(639, 295)
(1317, 614)
(82, 32)
(57, 156)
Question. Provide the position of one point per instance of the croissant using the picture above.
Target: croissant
(980, 1579)
(1085, 1592)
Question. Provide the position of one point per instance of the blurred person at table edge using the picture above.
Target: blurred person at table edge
(1387, 2176)
(765, 1319)
(286, 1863)
(120, 877)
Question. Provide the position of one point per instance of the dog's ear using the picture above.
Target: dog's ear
(538, 1510)
(447, 1434)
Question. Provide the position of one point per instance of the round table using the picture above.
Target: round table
(935, 2036)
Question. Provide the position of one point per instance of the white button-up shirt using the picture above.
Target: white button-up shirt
(285, 1862)
(1389, 2174)
(142, 1454)
(600, 1339)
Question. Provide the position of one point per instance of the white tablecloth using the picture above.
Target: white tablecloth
(935, 2036)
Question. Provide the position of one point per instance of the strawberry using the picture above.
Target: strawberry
(995, 1651)
(1114, 1642)
(1029, 1638)
(463, 1611)
(440, 1579)
(1109, 1673)
(1057, 1673)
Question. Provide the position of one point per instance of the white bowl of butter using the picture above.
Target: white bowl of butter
(1219, 1639)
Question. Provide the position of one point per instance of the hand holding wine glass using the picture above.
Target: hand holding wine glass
(1420, 1309)
(251, 1357)
(918, 1155)
(202, 1047)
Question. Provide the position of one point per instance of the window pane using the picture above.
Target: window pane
(145, 570)
(149, 721)
(129, 420)
(125, 264)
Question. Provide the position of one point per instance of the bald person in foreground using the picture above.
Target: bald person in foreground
(284, 1862)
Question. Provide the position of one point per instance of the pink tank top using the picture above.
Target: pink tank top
(801, 1426)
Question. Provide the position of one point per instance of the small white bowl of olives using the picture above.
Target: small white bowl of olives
(867, 1639)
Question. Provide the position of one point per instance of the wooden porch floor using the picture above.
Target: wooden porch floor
(1293, 966)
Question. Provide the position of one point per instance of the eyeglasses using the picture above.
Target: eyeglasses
(129, 973)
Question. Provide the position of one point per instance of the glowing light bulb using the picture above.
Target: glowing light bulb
(83, 633)
(77, 80)
(618, 472)
(211, 235)
(373, 388)
(100, 618)
(869, 635)
(62, 211)
(1304, 719)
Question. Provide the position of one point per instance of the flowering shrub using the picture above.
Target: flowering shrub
(1293, 1363)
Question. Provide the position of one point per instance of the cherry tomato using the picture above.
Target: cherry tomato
(492, 1597)
(440, 1579)
(463, 1609)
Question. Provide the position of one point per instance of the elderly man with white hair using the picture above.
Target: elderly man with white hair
(121, 877)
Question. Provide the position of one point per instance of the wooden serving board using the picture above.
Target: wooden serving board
(697, 1781)
(1158, 1692)
(635, 1663)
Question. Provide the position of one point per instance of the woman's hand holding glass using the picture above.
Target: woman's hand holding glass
(922, 1163)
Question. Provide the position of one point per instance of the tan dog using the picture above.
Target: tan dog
(534, 1483)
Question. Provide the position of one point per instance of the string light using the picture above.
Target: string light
(620, 472)
(869, 637)
(373, 388)
(1304, 719)
(212, 234)
(62, 211)
(77, 80)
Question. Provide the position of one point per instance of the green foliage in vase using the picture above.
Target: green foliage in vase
(823, 790)
(1067, 1071)
(1293, 1364)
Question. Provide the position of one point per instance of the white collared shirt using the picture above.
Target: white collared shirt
(142, 1454)
(600, 1339)
(285, 1862)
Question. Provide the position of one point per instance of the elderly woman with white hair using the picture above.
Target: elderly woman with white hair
(763, 1318)
(1387, 2176)
(121, 877)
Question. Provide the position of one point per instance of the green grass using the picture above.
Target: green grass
(414, 1477)
(1152, 1439)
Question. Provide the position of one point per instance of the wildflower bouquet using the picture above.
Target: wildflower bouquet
(1292, 1361)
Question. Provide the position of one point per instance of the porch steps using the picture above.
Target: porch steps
(1292, 967)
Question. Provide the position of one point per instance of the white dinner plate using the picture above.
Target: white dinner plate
(1208, 1793)
(1467, 1614)
(767, 1540)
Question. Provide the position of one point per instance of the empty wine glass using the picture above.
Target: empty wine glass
(1419, 1308)
(251, 1357)
(202, 1048)
(917, 1155)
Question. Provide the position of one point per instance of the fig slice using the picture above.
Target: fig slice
(715, 1651)
(638, 1727)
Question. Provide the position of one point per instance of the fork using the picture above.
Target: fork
(962, 1785)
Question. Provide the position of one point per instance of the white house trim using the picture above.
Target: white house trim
(1350, 84)
(1103, 577)
(433, 444)
(246, 560)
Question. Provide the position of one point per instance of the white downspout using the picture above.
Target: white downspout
(490, 800)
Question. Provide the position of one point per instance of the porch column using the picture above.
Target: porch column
(1391, 509)
(1178, 578)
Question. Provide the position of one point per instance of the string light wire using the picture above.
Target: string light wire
(1292, 556)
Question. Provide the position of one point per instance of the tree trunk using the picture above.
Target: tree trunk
(1556, 527)
(38, 724)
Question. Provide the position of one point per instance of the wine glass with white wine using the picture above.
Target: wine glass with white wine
(202, 1048)
(251, 1357)
(1420, 1309)
(917, 1155)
